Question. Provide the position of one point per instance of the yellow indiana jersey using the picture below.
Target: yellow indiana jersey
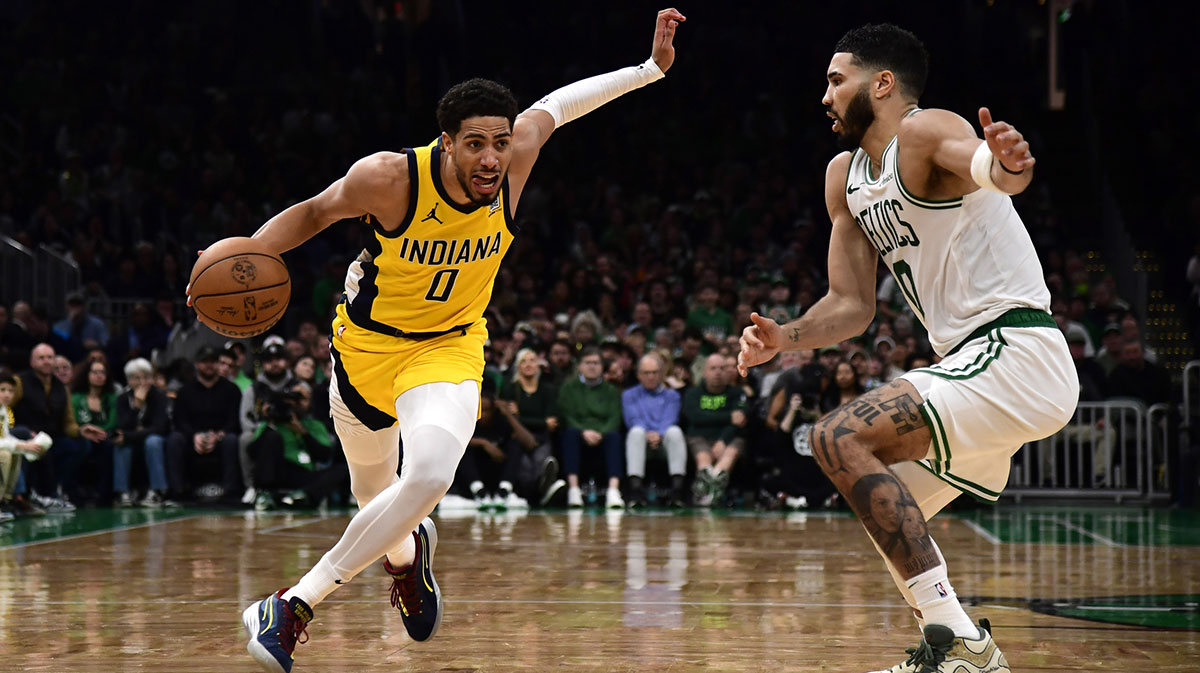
(435, 271)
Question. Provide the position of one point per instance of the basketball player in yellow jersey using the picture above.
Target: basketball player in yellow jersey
(408, 337)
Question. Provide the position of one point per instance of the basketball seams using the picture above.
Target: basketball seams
(240, 254)
(252, 289)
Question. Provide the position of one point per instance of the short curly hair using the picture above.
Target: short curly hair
(475, 98)
(883, 46)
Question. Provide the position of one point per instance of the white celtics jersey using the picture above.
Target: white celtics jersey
(960, 263)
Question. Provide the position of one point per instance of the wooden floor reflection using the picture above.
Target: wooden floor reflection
(578, 592)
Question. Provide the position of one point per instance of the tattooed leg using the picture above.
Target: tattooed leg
(854, 444)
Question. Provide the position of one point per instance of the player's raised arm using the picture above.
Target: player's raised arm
(1002, 162)
(376, 184)
(534, 126)
(849, 306)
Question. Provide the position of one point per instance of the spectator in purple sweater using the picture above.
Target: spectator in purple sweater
(651, 412)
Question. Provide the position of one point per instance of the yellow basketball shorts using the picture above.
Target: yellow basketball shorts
(371, 370)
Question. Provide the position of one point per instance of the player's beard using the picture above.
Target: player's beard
(857, 119)
(473, 199)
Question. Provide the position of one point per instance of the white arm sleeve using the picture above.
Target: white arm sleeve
(575, 100)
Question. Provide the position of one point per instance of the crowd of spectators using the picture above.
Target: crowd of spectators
(643, 406)
(613, 321)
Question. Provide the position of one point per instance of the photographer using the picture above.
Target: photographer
(288, 447)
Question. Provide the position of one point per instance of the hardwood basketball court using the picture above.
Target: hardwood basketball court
(1066, 589)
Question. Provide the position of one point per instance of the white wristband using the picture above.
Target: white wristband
(981, 169)
(575, 100)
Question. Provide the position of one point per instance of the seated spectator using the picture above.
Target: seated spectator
(712, 321)
(843, 387)
(275, 377)
(14, 445)
(651, 411)
(796, 480)
(294, 453)
(142, 425)
(233, 360)
(1138, 378)
(43, 404)
(14, 342)
(64, 371)
(615, 374)
(534, 403)
(591, 413)
(561, 363)
(1110, 347)
(715, 415)
(80, 330)
(94, 403)
(491, 465)
(204, 444)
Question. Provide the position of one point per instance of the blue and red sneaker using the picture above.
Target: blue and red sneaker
(274, 625)
(414, 591)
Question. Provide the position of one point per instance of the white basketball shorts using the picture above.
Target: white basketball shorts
(1013, 385)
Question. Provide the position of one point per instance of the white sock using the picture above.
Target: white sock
(939, 604)
(403, 555)
(316, 584)
(902, 585)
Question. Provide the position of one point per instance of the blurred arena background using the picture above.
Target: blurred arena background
(133, 134)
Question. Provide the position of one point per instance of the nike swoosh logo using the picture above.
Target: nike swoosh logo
(851, 190)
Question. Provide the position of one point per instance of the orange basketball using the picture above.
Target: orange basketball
(239, 287)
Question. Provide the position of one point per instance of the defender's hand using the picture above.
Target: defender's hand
(1006, 143)
(760, 342)
(663, 51)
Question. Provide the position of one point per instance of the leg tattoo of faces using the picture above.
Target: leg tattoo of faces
(892, 518)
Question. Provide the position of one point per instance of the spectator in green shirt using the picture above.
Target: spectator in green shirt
(715, 416)
(94, 402)
(295, 457)
(590, 409)
(712, 320)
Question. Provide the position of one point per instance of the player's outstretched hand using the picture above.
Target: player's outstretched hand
(188, 290)
(1006, 143)
(760, 342)
(664, 37)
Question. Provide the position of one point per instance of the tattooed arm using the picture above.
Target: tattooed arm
(849, 306)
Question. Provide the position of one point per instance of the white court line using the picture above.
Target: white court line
(76, 536)
(981, 531)
(495, 601)
(1106, 541)
(295, 524)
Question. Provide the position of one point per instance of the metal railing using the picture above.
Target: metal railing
(36, 275)
(1116, 449)
(18, 268)
(1191, 380)
(56, 276)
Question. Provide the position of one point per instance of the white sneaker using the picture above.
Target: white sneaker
(574, 497)
(456, 503)
(940, 650)
(613, 499)
(249, 495)
(514, 501)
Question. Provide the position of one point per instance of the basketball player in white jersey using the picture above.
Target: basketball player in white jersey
(408, 338)
(921, 190)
